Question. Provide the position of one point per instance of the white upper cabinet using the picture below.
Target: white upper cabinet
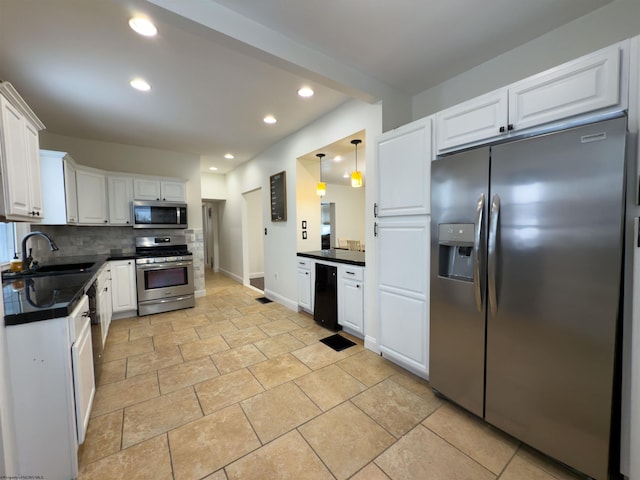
(403, 160)
(58, 188)
(70, 190)
(589, 84)
(157, 189)
(173, 191)
(92, 197)
(120, 193)
(481, 118)
(19, 142)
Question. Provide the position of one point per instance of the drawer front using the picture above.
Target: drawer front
(303, 262)
(352, 273)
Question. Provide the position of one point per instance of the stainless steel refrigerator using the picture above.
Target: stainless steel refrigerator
(526, 269)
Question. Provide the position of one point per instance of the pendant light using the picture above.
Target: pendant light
(321, 188)
(356, 176)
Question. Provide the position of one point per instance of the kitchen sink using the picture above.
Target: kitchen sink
(65, 267)
(47, 270)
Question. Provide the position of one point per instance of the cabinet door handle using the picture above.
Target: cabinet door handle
(350, 273)
(502, 129)
(375, 229)
(510, 126)
(375, 209)
(306, 273)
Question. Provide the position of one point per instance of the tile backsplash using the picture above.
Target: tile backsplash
(88, 240)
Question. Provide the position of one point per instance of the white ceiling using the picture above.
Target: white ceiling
(217, 68)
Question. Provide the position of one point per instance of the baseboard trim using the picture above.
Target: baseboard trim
(371, 343)
(290, 304)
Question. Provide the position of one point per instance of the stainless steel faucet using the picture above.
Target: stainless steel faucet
(26, 260)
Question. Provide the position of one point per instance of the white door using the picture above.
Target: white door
(70, 191)
(352, 305)
(83, 377)
(404, 166)
(304, 289)
(92, 199)
(123, 286)
(14, 161)
(173, 191)
(588, 84)
(403, 291)
(120, 196)
(478, 119)
(32, 153)
(146, 189)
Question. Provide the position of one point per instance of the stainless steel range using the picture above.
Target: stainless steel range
(164, 274)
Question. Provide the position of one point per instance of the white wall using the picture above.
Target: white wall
(213, 186)
(280, 244)
(612, 23)
(307, 208)
(133, 159)
(350, 211)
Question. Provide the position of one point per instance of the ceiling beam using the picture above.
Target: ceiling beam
(271, 46)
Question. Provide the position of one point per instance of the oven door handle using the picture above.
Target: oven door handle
(169, 300)
(160, 266)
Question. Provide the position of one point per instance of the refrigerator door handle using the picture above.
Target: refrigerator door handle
(477, 252)
(492, 264)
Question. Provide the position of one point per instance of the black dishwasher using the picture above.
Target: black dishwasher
(325, 310)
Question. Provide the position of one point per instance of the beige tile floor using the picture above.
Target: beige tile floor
(234, 389)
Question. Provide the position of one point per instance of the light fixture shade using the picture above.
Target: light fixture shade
(356, 179)
(356, 175)
(321, 187)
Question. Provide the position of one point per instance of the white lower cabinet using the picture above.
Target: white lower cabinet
(52, 382)
(104, 304)
(124, 298)
(350, 292)
(304, 284)
(403, 291)
(351, 298)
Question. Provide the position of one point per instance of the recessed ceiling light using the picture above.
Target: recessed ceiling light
(337, 158)
(140, 84)
(305, 92)
(229, 156)
(213, 169)
(143, 26)
(270, 119)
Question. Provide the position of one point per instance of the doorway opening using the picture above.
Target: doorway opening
(253, 240)
(211, 234)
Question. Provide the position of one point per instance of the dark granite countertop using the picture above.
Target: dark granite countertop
(336, 255)
(33, 299)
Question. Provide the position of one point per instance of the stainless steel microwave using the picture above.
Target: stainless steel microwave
(154, 214)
